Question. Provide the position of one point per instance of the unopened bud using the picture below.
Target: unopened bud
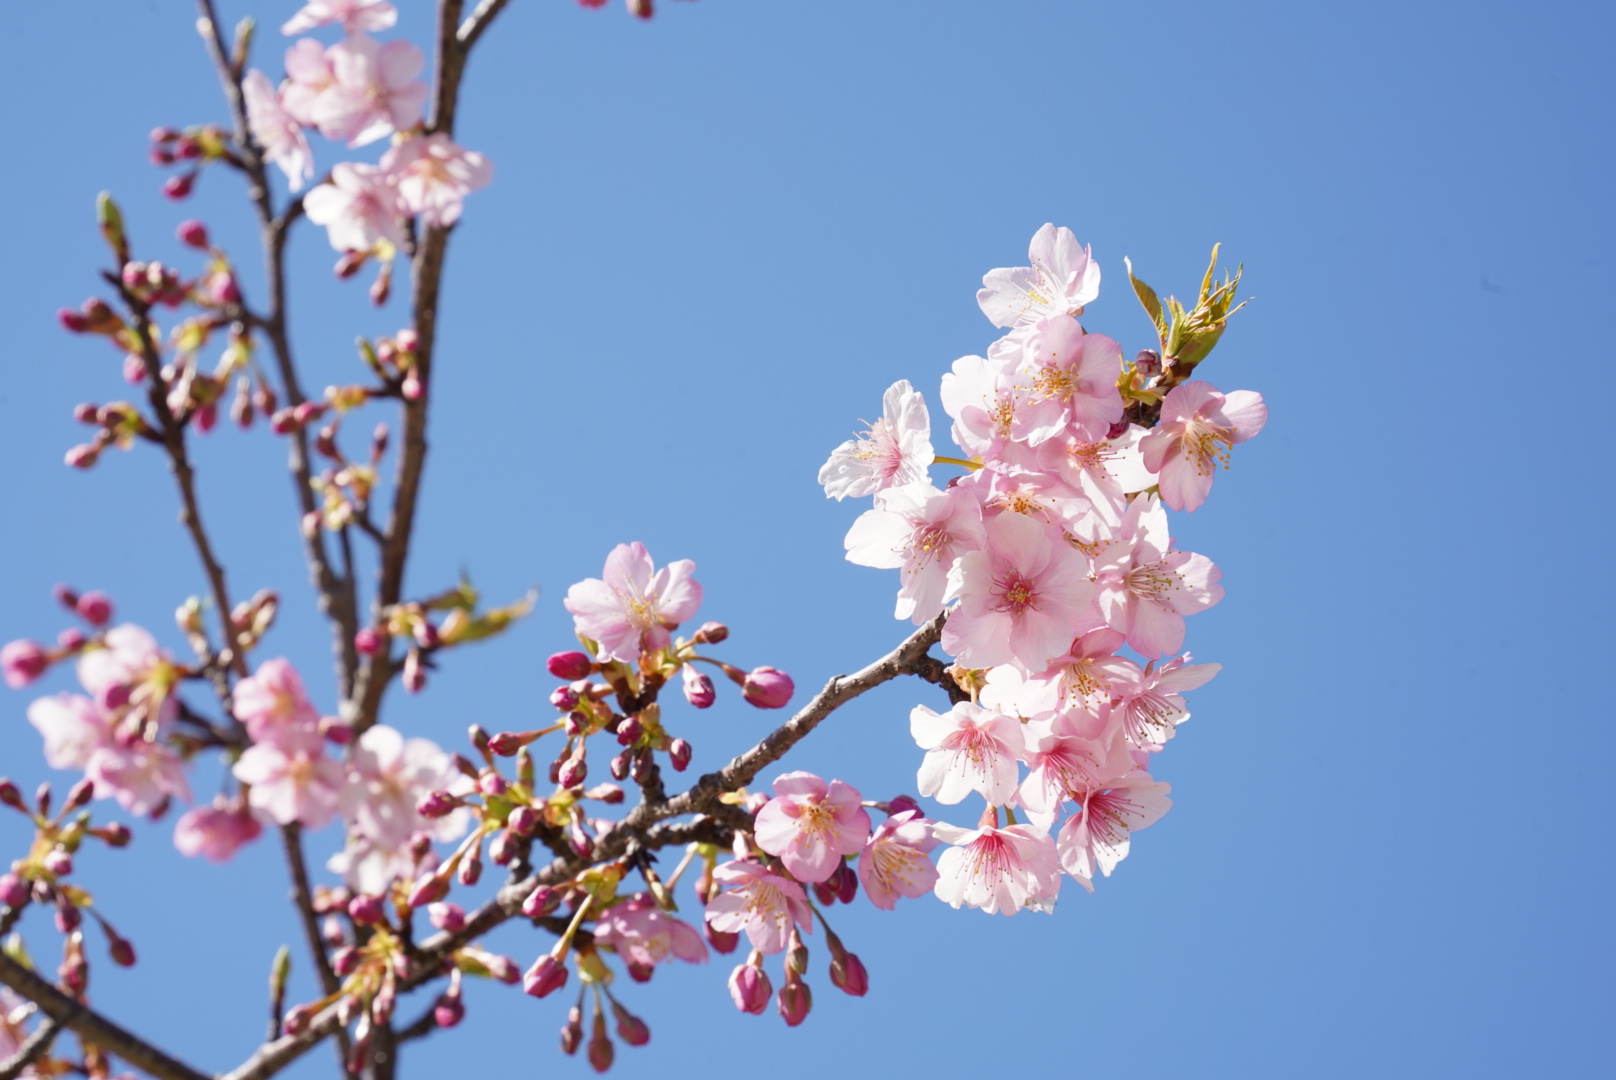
(698, 688)
(712, 633)
(795, 1002)
(768, 688)
(345, 961)
(564, 698)
(95, 608)
(367, 910)
(116, 835)
(120, 950)
(503, 849)
(179, 186)
(297, 1019)
(901, 804)
(491, 783)
(523, 821)
(630, 1028)
(572, 1032)
(573, 771)
(414, 672)
(193, 233)
(575, 722)
(471, 871)
(446, 916)
(610, 794)
(541, 902)
(750, 989)
(1147, 362)
(601, 1050)
(679, 755)
(847, 974)
(640, 973)
(570, 666)
(642, 767)
(429, 889)
(349, 264)
(621, 764)
(58, 862)
(449, 1011)
(722, 940)
(13, 890)
(545, 977)
(21, 662)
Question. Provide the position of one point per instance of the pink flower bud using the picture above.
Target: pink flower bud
(750, 989)
(643, 9)
(506, 743)
(429, 889)
(621, 764)
(601, 1050)
(21, 662)
(412, 387)
(503, 848)
(187, 148)
(436, 804)
(115, 835)
(345, 961)
(87, 413)
(570, 665)
(902, 804)
(523, 821)
(348, 265)
(573, 771)
(68, 917)
(847, 974)
(414, 672)
(10, 796)
(13, 890)
(82, 456)
(121, 951)
(72, 639)
(502, 968)
(449, 1011)
(679, 755)
(722, 940)
(768, 688)
(572, 1032)
(297, 1019)
(179, 186)
(629, 731)
(134, 370)
(712, 633)
(491, 783)
(564, 698)
(576, 723)
(95, 608)
(79, 795)
(193, 233)
(640, 973)
(72, 321)
(426, 635)
(630, 1028)
(367, 910)
(610, 794)
(541, 902)
(368, 642)
(471, 871)
(545, 977)
(825, 891)
(446, 916)
(698, 688)
(795, 1002)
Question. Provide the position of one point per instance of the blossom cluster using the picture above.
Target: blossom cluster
(1051, 555)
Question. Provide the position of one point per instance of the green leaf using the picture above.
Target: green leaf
(1147, 297)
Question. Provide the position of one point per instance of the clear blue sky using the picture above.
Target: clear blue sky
(712, 241)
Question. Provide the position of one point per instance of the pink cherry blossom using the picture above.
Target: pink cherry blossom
(810, 825)
(274, 706)
(374, 92)
(1098, 835)
(124, 666)
(1198, 426)
(642, 933)
(1145, 588)
(358, 208)
(1104, 471)
(763, 904)
(968, 749)
(633, 605)
(73, 726)
(1061, 281)
(1149, 707)
(1000, 871)
(291, 783)
(352, 14)
(1047, 498)
(1066, 764)
(1082, 679)
(983, 406)
(1070, 381)
(22, 662)
(276, 130)
(388, 776)
(308, 76)
(142, 776)
(433, 176)
(371, 868)
(894, 451)
(215, 832)
(920, 531)
(1019, 599)
(894, 861)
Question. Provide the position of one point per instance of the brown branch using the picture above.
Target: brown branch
(91, 1025)
(477, 22)
(33, 1048)
(9, 916)
(420, 1027)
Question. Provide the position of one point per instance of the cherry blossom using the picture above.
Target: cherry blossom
(763, 904)
(374, 90)
(810, 825)
(1070, 381)
(919, 531)
(894, 451)
(1098, 835)
(127, 667)
(1149, 707)
(433, 176)
(388, 776)
(275, 129)
(22, 662)
(1103, 471)
(1064, 764)
(1082, 679)
(73, 726)
(215, 832)
(983, 407)
(1061, 281)
(1198, 426)
(142, 776)
(1018, 599)
(633, 605)
(644, 934)
(291, 782)
(1145, 588)
(894, 861)
(273, 705)
(308, 76)
(352, 14)
(358, 208)
(998, 870)
(968, 749)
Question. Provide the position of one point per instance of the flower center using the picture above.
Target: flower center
(1016, 593)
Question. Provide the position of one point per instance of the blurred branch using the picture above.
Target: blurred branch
(33, 1048)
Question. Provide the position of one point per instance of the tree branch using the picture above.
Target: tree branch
(33, 1048)
(80, 1018)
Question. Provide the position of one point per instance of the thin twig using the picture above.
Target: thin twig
(33, 1048)
(91, 1025)
(420, 1027)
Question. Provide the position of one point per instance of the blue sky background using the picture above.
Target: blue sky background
(712, 241)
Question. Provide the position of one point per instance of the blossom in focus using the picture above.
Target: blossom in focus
(632, 606)
(273, 705)
(374, 92)
(763, 904)
(388, 776)
(894, 861)
(1098, 835)
(1019, 599)
(1065, 764)
(1104, 471)
(1070, 381)
(810, 825)
(1082, 679)
(1198, 426)
(433, 176)
(352, 14)
(642, 933)
(1062, 280)
(358, 208)
(968, 748)
(1000, 871)
(276, 130)
(291, 783)
(896, 449)
(1145, 588)
(983, 407)
(919, 531)
(1149, 704)
(215, 832)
